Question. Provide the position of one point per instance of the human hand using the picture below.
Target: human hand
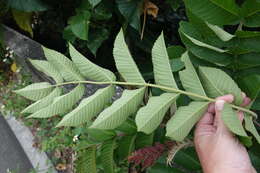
(218, 149)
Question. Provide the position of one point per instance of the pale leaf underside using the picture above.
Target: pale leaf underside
(118, 112)
(61, 104)
(88, 108)
(179, 126)
(149, 117)
(161, 64)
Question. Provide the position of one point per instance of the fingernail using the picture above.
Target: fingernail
(219, 104)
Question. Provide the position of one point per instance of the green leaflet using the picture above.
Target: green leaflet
(161, 65)
(190, 79)
(249, 125)
(99, 135)
(88, 69)
(124, 61)
(44, 102)
(88, 108)
(48, 69)
(61, 104)
(203, 52)
(127, 127)
(118, 112)
(222, 34)
(179, 126)
(199, 43)
(126, 146)
(35, 91)
(89, 160)
(107, 154)
(217, 12)
(231, 120)
(217, 83)
(68, 69)
(149, 117)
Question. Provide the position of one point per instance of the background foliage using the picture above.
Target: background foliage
(91, 26)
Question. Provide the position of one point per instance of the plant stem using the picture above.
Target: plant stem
(156, 86)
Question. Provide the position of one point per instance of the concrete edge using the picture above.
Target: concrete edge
(38, 159)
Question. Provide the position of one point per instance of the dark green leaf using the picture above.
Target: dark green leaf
(27, 5)
(217, 12)
(96, 37)
(79, 24)
(131, 10)
(126, 146)
(101, 135)
(143, 140)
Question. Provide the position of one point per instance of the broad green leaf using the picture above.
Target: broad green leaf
(217, 12)
(100, 135)
(248, 60)
(35, 91)
(68, 70)
(126, 146)
(175, 53)
(217, 83)
(249, 125)
(118, 112)
(161, 65)
(48, 69)
(124, 61)
(143, 140)
(28, 5)
(230, 119)
(85, 159)
(97, 37)
(88, 108)
(222, 34)
(23, 20)
(203, 52)
(94, 2)
(61, 104)
(88, 69)
(149, 117)
(179, 126)
(201, 44)
(107, 155)
(250, 11)
(79, 24)
(127, 127)
(187, 158)
(131, 10)
(44, 102)
(190, 79)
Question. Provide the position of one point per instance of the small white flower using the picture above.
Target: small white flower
(75, 138)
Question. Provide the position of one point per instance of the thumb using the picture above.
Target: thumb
(221, 127)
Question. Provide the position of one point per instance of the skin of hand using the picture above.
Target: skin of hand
(218, 149)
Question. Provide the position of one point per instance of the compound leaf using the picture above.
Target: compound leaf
(44, 102)
(149, 117)
(61, 104)
(35, 91)
(88, 69)
(217, 83)
(179, 126)
(190, 79)
(118, 112)
(107, 154)
(230, 119)
(67, 68)
(124, 61)
(88, 108)
(48, 69)
(161, 64)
